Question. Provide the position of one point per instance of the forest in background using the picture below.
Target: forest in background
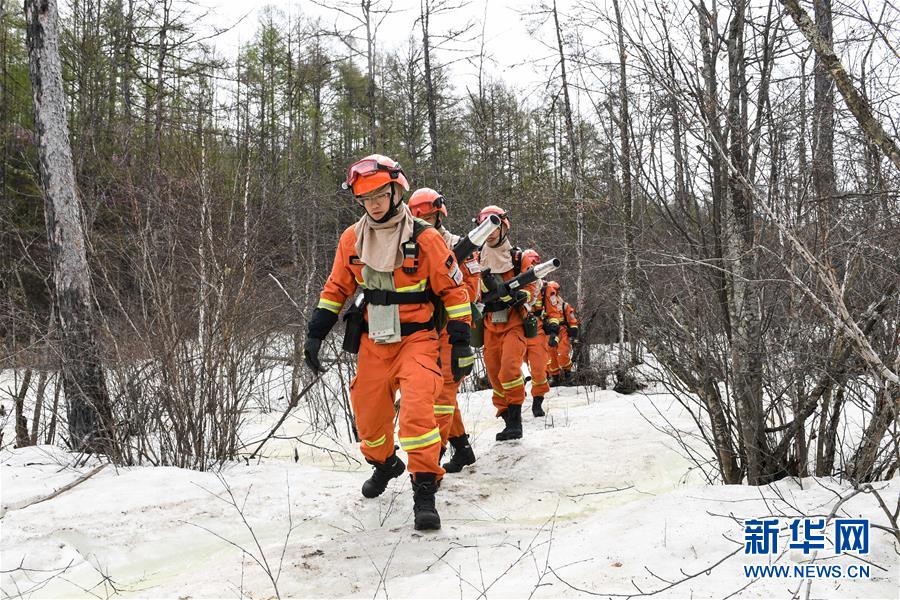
(711, 195)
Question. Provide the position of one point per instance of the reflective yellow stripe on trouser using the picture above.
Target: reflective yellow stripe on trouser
(412, 443)
(508, 385)
(375, 443)
(444, 409)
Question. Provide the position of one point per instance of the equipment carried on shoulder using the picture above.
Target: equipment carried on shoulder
(476, 238)
(504, 291)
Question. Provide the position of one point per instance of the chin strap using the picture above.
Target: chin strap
(503, 236)
(394, 206)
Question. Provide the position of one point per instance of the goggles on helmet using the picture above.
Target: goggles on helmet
(367, 167)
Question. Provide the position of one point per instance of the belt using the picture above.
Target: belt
(407, 329)
(387, 297)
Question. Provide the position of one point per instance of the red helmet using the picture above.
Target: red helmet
(425, 201)
(533, 253)
(372, 172)
(487, 211)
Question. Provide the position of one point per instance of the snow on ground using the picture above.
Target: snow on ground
(593, 500)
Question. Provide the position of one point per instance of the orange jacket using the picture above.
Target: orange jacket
(437, 271)
(569, 315)
(516, 314)
(471, 270)
(553, 303)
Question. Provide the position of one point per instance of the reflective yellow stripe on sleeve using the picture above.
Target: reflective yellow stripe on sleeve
(413, 443)
(458, 311)
(465, 361)
(331, 305)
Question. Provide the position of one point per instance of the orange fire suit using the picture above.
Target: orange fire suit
(446, 408)
(561, 360)
(411, 365)
(538, 352)
(505, 347)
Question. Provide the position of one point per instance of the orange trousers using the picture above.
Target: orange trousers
(538, 356)
(446, 408)
(410, 366)
(504, 353)
(561, 356)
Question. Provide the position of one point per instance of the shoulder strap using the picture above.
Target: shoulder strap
(411, 247)
(419, 225)
(515, 253)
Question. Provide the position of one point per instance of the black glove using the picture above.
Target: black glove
(573, 332)
(462, 358)
(545, 325)
(552, 329)
(519, 297)
(554, 340)
(311, 354)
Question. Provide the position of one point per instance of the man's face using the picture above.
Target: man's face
(431, 218)
(496, 234)
(378, 202)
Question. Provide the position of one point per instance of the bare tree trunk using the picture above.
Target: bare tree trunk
(90, 414)
(51, 428)
(746, 361)
(626, 290)
(161, 54)
(710, 109)
(855, 101)
(862, 467)
(38, 406)
(823, 126)
(22, 438)
(430, 100)
(370, 70)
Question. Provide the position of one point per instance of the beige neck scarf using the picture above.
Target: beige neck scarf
(379, 245)
(498, 259)
(450, 238)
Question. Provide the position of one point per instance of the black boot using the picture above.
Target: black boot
(424, 487)
(513, 430)
(462, 454)
(536, 409)
(554, 380)
(568, 378)
(376, 484)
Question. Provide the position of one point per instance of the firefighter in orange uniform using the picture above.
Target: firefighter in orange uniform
(430, 206)
(504, 333)
(398, 262)
(564, 327)
(538, 353)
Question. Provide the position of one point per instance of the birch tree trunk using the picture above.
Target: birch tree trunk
(626, 293)
(430, 100)
(89, 411)
(744, 307)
